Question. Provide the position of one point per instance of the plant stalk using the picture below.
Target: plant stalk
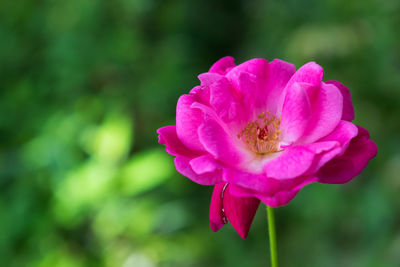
(272, 237)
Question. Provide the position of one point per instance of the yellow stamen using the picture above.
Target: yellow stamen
(262, 135)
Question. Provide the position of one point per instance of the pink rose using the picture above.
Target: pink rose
(260, 131)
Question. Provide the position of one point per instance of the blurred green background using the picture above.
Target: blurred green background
(85, 84)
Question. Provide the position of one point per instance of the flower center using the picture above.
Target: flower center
(262, 135)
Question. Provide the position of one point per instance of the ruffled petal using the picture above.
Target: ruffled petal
(332, 145)
(348, 109)
(208, 78)
(203, 164)
(257, 67)
(188, 121)
(217, 215)
(326, 109)
(323, 152)
(201, 94)
(240, 211)
(342, 169)
(219, 143)
(250, 80)
(311, 73)
(343, 133)
(174, 146)
(225, 102)
(293, 162)
(248, 86)
(283, 193)
(296, 113)
(279, 73)
(182, 165)
(223, 65)
(280, 199)
(252, 181)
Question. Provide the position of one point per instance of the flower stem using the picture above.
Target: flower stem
(272, 237)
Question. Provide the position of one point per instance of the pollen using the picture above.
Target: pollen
(262, 135)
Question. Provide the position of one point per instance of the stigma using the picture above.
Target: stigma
(262, 135)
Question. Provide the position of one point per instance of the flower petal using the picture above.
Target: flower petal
(279, 73)
(188, 121)
(332, 145)
(208, 78)
(311, 73)
(248, 87)
(218, 142)
(249, 79)
(296, 113)
(225, 102)
(293, 162)
(182, 165)
(326, 109)
(240, 211)
(174, 146)
(203, 164)
(256, 182)
(283, 193)
(200, 94)
(348, 109)
(257, 67)
(223, 65)
(323, 152)
(342, 169)
(343, 133)
(217, 216)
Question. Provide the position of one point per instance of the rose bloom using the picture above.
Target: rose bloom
(260, 131)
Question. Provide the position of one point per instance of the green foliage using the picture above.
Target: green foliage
(85, 85)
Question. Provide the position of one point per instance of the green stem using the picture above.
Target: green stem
(272, 237)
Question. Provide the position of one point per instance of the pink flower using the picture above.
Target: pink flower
(260, 131)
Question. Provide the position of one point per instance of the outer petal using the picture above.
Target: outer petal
(296, 113)
(203, 164)
(293, 162)
(342, 169)
(225, 102)
(280, 199)
(249, 86)
(348, 109)
(249, 79)
(311, 73)
(252, 181)
(201, 94)
(334, 144)
(324, 151)
(219, 143)
(279, 73)
(302, 160)
(182, 165)
(344, 132)
(261, 83)
(223, 65)
(326, 113)
(208, 78)
(188, 121)
(284, 192)
(174, 146)
(240, 211)
(217, 215)
(257, 67)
